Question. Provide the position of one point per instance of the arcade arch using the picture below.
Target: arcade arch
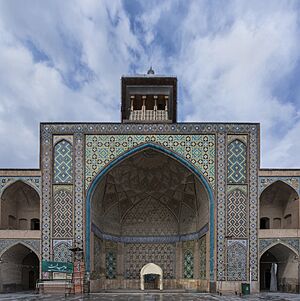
(19, 269)
(279, 207)
(279, 269)
(20, 207)
(140, 209)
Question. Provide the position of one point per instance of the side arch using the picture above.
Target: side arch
(20, 202)
(21, 265)
(278, 181)
(278, 201)
(171, 154)
(279, 243)
(20, 243)
(24, 181)
(278, 267)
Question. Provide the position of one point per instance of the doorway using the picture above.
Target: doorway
(151, 282)
(151, 277)
(279, 269)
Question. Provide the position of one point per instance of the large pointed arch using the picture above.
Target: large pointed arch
(171, 154)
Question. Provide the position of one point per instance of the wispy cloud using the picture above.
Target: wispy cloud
(235, 61)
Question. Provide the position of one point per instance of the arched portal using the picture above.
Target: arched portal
(279, 207)
(19, 269)
(279, 269)
(154, 273)
(146, 208)
(20, 204)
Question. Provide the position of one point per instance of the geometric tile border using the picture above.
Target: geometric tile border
(79, 191)
(253, 204)
(221, 213)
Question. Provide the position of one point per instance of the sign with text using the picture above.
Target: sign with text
(60, 267)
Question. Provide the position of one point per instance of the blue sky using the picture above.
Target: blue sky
(235, 61)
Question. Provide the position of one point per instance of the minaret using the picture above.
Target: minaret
(149, 98)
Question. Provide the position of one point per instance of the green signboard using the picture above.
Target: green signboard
(53, 266)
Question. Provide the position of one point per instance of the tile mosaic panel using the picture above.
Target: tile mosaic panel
(62, 211)
(197, 149)
(202, 256)
(236, 167)
(63, 163)
(138, 255)
(111, 264)
(236, 260)
(237, 214)
(188, 265)
(61, 250)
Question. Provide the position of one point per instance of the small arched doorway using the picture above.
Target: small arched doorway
(151, 277)
(279, 269)
(19, 269)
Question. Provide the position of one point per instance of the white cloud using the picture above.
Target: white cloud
(74, 36)
(230, 75)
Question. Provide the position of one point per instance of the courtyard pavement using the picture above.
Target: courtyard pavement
(151, 297)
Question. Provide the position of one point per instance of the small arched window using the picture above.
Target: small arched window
(264, 223)
(12, 222)
(35, 224)
(23, 224)
(288, 219)
(277, 223)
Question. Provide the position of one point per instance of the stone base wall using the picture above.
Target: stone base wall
(235, 287)
(168, 284)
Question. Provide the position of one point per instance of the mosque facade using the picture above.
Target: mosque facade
(149, 203)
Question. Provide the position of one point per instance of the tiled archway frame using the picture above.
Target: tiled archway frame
(220, 129)
(173, 155)
(33, 244)
(265, 182)
(266, 244)
(32, 181)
